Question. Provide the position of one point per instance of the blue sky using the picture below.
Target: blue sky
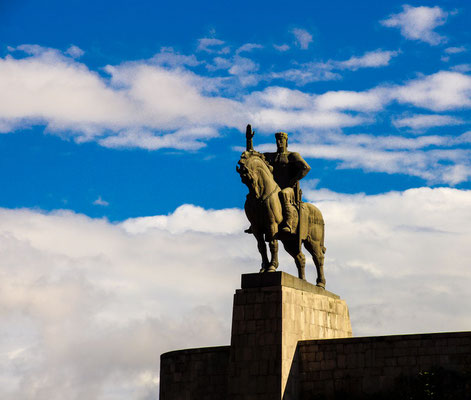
(334, 82)
(120, 210)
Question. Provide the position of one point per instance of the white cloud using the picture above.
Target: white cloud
(154, 284)
(438, 92)
(219, 63)
(307, 73)
(169, 58)
(418, 23)
(437, 159)
(400, 266)
(182, 139)
(247, 47)
(432, 158)
(281, 47)
(462, 68)
(161, 103)
(190, 218)
(455, 50)
(426, 121)
(272, 119)
(212, 45)
(244, 68)
(303, 38)
(143, 103)
(377, 58)
(100, 202)
(280, 97)
(371, 100)
(75, 51)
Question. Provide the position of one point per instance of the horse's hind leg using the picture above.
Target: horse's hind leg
(262, 248)
(291, 246)
(317, 252)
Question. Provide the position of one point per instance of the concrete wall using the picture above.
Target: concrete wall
(385, 366)
(194, 374)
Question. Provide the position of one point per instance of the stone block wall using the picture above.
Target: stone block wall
(308, 315)
(194, 374)
(272, 312)
(255, 360)
(380, 366)
(287, 344)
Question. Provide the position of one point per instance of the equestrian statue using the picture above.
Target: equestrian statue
(275, 209)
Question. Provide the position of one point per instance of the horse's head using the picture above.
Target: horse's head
(254, 171)
(244, 169)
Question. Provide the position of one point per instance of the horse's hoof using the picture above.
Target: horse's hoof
(321, 285)
(272, 267)
(262, 270)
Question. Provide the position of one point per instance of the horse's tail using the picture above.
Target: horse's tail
(316, 218)
(323, 248)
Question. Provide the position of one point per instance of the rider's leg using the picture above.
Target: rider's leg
(290, 215)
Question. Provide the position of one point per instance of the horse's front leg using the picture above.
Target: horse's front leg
(262, 248)
(273, 244)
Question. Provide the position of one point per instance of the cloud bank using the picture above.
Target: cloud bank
(87, 308)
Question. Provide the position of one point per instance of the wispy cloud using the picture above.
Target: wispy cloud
(436, 159)
(305, 73)
(100, 202)
(455, 50)
(182, 139)
(418, 23)
(371, 59)
(212, 45)
(302, 38)
(248, 47)
(75, 51)
(161, 103)
(426, 121)
(281, 47)
(170, 58)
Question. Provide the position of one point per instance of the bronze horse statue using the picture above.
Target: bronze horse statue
(264, 211)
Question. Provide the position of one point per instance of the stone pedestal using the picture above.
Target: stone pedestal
(272, 312)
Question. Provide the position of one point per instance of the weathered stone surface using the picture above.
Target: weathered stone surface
(273, 354)
(272, 313)
(194, 374)
(386, 366)
(252, 281)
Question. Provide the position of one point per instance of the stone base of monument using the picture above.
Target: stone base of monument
(272, 313)
(291, 340)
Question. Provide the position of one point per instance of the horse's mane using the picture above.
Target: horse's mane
(248, 156)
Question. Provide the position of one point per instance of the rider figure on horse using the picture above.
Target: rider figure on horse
(288, 168)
